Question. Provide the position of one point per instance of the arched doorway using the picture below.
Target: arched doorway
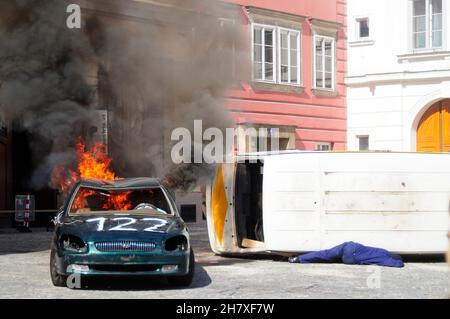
(433, 131)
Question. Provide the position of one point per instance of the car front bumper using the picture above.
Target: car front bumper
(123, 263)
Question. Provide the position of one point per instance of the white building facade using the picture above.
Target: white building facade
(398, 75)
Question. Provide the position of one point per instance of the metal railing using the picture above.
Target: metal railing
(38, 211)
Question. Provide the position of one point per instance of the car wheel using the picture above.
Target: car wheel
(57, 279)
(186, 280)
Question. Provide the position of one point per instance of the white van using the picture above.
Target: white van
(306, 201)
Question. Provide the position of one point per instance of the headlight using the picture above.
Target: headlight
(73, 244)
(175, 227)
(176, 243)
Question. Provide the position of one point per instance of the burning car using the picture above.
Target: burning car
(121, 227)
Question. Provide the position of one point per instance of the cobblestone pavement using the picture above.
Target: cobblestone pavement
(24, 265)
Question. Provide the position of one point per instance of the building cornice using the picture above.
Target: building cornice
(154, 9)
(397, 77)
(327, 28)
(275, 87)
(264, 125)
(424, 56)
(281, 19)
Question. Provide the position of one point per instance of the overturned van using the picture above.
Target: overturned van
(304, 201)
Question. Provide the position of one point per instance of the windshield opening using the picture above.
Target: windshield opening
(89, 200)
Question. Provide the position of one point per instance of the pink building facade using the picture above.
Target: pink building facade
(299, 60)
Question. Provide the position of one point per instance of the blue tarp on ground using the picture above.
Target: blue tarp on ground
(353, 254)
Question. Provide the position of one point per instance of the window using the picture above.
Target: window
(362, 28)
(260, 138)
(264, 143)
(97, 201)
(189, 213)
(324, 147)
(263, 53)
(363, 143)
(289, 71)
(324, 59)
(427, 24)
(276, 55)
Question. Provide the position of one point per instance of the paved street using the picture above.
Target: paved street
(24, 273)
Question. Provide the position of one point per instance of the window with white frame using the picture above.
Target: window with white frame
(263, 53)
(276, 55)
(289, 70)
(324, 62)
(427, 24)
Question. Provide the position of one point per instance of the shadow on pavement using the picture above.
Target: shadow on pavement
(140, 283)
(14, 242)
(433, 258)
(209, 259)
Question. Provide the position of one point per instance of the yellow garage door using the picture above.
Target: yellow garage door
(446, 126)
(433, 133)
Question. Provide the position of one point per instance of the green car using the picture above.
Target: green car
(120, 228)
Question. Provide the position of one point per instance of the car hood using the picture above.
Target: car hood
(121, 226)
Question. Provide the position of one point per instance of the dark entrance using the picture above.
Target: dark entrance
(4, 186)
(188, 213)
(24, 163)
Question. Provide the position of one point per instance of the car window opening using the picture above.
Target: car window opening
(89, 200)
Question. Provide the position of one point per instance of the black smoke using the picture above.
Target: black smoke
(42, 78)
(153, 72)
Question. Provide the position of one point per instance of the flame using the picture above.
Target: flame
(94, 163)
(91, 163)
(115, 201)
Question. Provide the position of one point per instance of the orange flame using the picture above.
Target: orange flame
(92, 163)
(116, 201)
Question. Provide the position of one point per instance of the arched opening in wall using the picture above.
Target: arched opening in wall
(433, 131)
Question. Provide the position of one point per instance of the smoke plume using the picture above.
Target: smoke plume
(153, 66)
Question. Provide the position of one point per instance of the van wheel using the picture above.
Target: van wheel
(186, 280)
(57, 279)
